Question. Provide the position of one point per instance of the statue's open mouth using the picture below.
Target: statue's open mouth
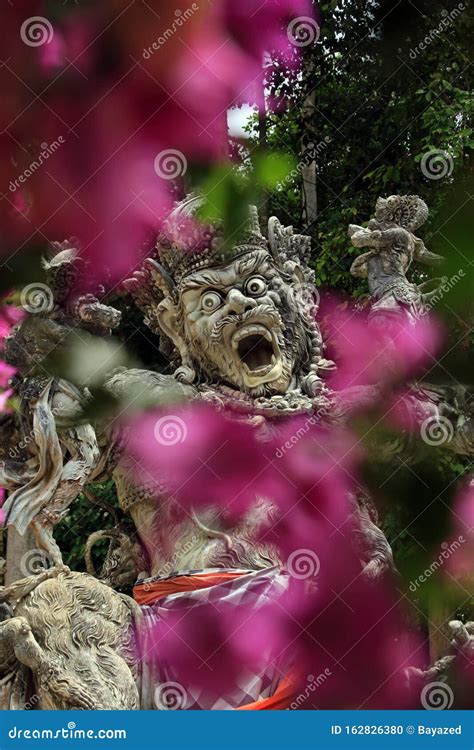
(257, 352)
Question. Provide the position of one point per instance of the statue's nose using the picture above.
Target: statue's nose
(238, 303)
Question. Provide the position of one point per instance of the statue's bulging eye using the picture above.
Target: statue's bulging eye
(210, 301)
(256, 286)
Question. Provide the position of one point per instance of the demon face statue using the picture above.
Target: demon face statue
(243, 317)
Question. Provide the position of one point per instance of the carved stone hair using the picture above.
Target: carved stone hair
(407, 211)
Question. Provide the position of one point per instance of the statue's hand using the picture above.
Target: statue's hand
(353, 228)
(361, 237)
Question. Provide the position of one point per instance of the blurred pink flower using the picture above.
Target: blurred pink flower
(210, 458)
(71, 46)
(10, 316)
(6, 372)
(213, 641)
(222, 64)
(330, 617)
(327, 620)
(263, 27)
(53, 55)
(368, 354)
(120, 121)
(204, 457)
(343, 624)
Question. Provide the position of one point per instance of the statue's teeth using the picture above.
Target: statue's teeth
(249, 331)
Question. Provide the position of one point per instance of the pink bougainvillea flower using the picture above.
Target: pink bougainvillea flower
(116, 134)
(209, 458)
(206, 459)
(369, 354)
(220, 640)
(222, 64)
(317, 469)
(6, 372)
(10, 316)
(284, 23)
(71, 48)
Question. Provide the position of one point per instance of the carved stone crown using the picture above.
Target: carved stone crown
(408, 211)
(186, 245)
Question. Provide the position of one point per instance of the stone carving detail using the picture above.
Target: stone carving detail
(268, 341)
(71, 632)
(434, 683)
(393, 247)
(239, 326)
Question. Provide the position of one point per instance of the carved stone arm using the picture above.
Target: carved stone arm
(361, 237)
(359, 266)
(424, 255)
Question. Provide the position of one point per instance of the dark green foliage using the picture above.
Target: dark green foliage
(83, 519)
(379, 107)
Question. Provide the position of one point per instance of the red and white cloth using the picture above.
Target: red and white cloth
(225, 590)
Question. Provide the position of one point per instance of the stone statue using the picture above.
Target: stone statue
(238, 326)
(393, 247)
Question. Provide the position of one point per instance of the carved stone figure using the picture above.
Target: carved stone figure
(239, 327)
(393, 247)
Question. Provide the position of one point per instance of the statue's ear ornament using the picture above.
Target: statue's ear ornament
(285, 245)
